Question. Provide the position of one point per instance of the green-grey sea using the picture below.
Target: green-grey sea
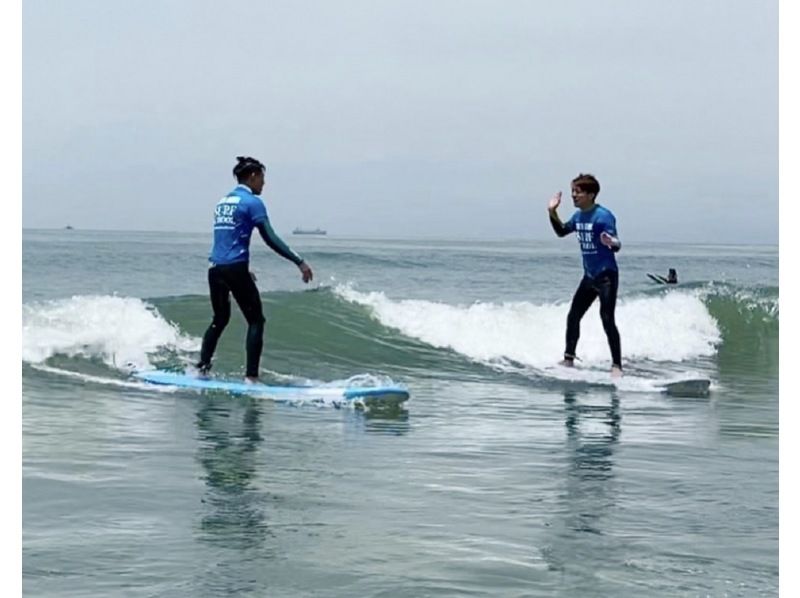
(503, 475)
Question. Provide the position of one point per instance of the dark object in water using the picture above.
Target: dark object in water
(672, 277)
(695, 387)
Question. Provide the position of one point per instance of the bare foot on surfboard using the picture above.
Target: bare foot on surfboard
(616, 371)
(567, 363)
(251, 380)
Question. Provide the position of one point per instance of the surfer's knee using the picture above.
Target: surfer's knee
(607, 317)
(255, 319)
(220, 321)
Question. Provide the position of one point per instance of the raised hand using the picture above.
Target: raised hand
(555, 201)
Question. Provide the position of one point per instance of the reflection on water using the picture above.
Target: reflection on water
(388, 421)
(230, 435)
(592, 436)
(592, 449)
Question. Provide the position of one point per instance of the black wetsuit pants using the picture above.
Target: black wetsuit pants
(222, 282)
(603, 286)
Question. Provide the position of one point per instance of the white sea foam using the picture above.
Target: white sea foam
(673, 327)
(125, 383)
(122, 331)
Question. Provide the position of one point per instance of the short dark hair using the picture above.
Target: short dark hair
(588, 183)
(245, 166)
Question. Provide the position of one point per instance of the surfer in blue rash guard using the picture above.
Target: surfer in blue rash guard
(235, 217)
(596, 229)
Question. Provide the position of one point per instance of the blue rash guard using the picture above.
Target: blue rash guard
(588, 225)
(235, 216)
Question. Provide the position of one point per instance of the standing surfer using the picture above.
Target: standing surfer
(235, 217)
(596, 229)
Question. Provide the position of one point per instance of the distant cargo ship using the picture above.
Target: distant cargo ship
(309, 231)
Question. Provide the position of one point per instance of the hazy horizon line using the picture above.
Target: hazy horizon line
(423, 237)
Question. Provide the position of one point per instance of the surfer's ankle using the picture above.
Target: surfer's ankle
(616, 371)
(251, 380)
(568, 361)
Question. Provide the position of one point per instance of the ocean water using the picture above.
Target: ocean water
(504, 475)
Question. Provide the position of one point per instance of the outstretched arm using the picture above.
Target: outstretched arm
(275, 243)
(560, 229)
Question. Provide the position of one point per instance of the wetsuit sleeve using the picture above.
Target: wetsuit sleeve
(275, 243)
(563, 229)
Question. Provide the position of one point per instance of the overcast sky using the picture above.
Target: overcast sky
(404, 118)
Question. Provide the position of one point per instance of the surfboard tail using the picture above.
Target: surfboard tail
(698, 387)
